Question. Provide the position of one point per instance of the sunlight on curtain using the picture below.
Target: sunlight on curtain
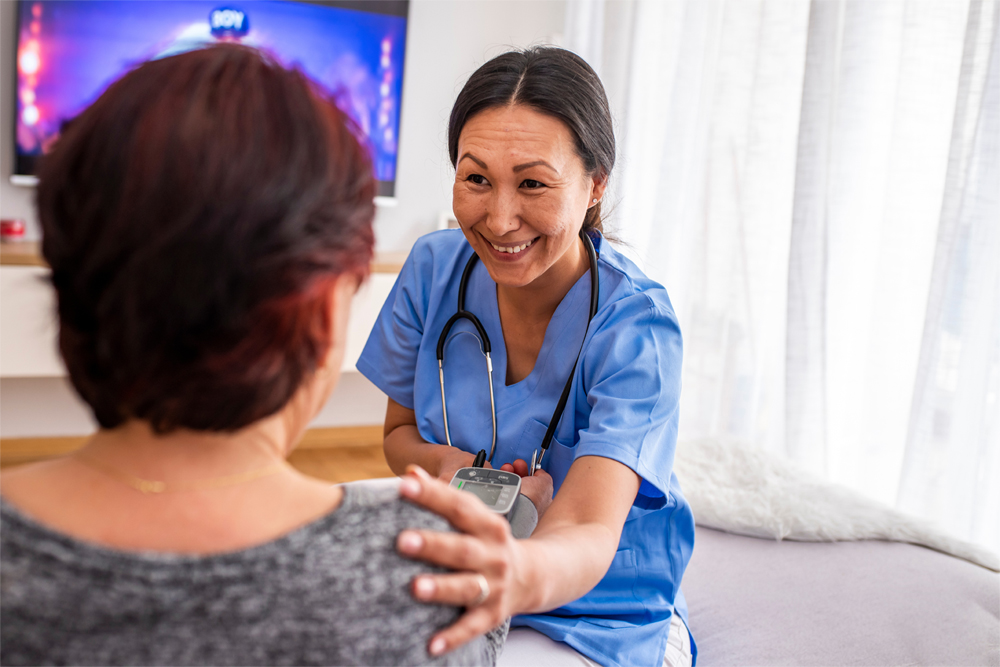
(812, 182)
(881, 84)
(952, 459)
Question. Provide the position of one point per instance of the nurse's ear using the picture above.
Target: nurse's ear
(599, 182)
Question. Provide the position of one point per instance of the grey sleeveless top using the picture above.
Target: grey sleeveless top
(333, 592)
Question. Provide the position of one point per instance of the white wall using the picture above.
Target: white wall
(447, 41)
(31, 407)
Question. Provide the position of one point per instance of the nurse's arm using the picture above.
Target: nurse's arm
(404, 446)
(578, 536)
(568, 554)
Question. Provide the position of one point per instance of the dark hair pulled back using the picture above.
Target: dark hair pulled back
(555, 82)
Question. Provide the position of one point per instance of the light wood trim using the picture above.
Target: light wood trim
(341, 436)
(24, 450)
(388, 262)
(14, 451)
(28, 253)
(21, 253)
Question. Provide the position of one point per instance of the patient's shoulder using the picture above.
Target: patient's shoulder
(378, 579)
(381, 498)
(39, 489)
(365, 527)
(337, 587)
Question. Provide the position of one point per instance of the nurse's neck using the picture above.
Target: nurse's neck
(537, 301)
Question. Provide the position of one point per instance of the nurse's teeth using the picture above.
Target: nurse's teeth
(511, 249)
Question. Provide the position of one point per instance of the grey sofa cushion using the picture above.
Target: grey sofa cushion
(761, 602)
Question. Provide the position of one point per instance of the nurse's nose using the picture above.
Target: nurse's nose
(503, 213)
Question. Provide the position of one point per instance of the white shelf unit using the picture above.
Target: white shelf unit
(28, 326)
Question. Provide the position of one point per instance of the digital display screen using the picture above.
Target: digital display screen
(69, 51)
(488, 493)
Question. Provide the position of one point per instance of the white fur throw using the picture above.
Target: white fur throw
(747, 491)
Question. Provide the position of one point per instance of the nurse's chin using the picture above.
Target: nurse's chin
(511, 274)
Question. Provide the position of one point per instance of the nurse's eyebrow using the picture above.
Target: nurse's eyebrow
(536, 163)
(472, 157)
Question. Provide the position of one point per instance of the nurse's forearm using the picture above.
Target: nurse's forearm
(576, 539)
(403, 446)
(563, 564)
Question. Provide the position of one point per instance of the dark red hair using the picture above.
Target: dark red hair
(195, 218)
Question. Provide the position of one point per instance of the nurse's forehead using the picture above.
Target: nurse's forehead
(516, 133)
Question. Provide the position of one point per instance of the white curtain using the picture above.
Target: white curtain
(818, 186)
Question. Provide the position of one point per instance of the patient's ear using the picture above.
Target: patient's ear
(341, 295)
(315, 390)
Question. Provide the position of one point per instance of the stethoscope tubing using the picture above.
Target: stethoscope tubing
(595, 288)
(463, 314)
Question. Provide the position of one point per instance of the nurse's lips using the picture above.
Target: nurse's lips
(510, 252)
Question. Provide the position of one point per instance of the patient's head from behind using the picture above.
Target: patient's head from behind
(196, 218)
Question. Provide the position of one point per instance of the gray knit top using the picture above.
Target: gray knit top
(333, 592)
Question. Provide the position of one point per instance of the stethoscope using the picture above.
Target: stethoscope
(463, 314)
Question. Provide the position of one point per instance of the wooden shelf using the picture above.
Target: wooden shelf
(21, 253)
(28, 253)
(388, 262)
(14, 451)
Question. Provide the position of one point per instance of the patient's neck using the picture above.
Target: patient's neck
(184, 455)
(210, 504)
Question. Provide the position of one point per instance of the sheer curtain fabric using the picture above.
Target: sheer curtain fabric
(816, 183)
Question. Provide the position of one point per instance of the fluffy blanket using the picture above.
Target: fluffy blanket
(747, 491)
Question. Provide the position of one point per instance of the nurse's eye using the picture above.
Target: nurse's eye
(531, 184)
(478, 179)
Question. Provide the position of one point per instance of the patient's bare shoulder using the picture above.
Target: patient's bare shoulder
(38, 489)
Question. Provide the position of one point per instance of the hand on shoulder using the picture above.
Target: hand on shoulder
(485, 558)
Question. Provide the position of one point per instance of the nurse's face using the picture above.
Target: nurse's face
(521, 193)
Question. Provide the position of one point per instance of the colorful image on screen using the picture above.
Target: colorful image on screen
(69, 51)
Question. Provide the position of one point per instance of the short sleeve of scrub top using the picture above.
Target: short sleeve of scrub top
(623, 405)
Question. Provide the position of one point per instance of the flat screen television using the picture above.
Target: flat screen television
(69, 51)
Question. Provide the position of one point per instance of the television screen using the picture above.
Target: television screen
(69, 51)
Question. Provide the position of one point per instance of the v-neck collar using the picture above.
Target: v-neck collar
(555, 333)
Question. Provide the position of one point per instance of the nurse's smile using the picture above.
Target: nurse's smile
(521, 193)
(513, 252)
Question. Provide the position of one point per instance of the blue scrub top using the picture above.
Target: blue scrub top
(623, 405)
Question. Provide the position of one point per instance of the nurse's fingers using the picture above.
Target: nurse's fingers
(538, 489)
(451, 550)
(464, 511)
(475, 622)
(521, 468)
(461, 589)
(508, 467)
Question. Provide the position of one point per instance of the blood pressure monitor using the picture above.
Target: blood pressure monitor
(497, 488)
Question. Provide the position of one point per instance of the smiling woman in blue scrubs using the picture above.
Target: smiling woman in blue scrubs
(532, 143)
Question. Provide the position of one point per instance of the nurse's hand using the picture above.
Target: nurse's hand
(485, 557)
(536, 488)
(453, 459)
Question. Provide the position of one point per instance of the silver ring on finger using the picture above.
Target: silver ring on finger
(484, 590)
